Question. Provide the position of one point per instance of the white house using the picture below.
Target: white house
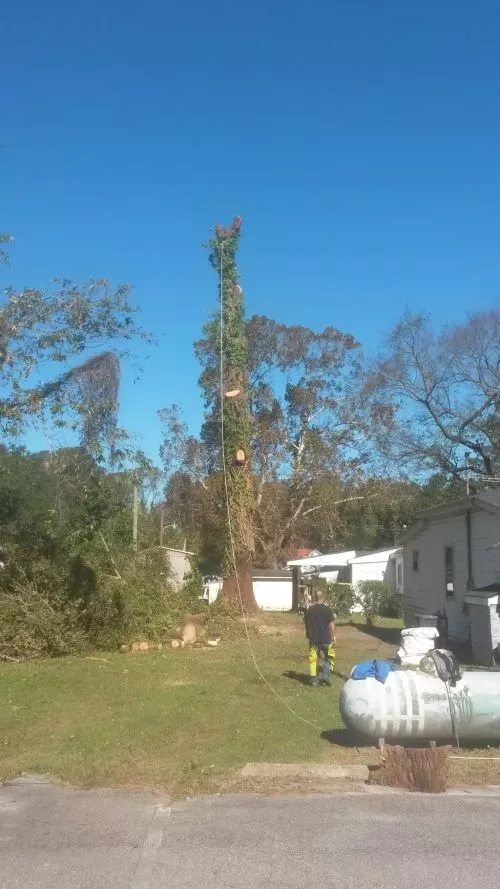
(273, 590)
(452, 567)
(383, 564)
(351, 566)
(333, 566)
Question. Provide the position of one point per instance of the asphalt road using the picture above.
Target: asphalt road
(71, 839)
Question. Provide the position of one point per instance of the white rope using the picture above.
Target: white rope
(229, 519)
(479, 758)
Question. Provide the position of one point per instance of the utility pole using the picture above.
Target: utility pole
(467, 474)
(163, 526)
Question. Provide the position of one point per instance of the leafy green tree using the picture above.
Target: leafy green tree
(197, 510)
(306, 427)
(306, 424)
(40, 333)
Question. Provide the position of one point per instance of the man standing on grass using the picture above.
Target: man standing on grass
(320, 631)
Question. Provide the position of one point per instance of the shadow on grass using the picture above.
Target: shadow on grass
(391, 635)
(342, 737)
(305, 679)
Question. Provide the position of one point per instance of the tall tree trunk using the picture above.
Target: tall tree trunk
(239, 544)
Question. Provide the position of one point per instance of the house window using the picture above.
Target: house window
(399, 575)
(448, 572)
(415, 559)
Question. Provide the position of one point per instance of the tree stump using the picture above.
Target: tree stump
(414, 768)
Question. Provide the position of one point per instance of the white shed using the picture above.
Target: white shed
(272, 589)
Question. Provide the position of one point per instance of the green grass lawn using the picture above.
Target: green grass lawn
(179, 719)
(165, 717)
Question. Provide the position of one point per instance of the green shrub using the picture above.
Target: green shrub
(35, 622)
(392, 606)
(192, 588)
(340, 598)
(51, 607)
(372, 595)
(143, 604)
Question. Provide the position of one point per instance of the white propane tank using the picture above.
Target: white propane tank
(414, 705)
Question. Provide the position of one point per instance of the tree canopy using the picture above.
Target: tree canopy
(305, 424)
(436, 396)
(40, 334)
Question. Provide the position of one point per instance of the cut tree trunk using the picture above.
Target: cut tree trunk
(240, 584)
(413, 768)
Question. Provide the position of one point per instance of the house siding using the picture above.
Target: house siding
(382, 566)
(485, 632)
(425, 589)
(481, 634)
(368, 571)
(399, 566)
(495, 625)
(180, 566)
(273, 595)
(485, 533)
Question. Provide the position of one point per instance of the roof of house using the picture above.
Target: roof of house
(182, 552)
(305, 553)
(489, 501)
(491, 588)
(378, 555)
(270, 574)
(333, 560)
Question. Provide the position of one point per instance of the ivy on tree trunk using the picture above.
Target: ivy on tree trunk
(239, 543)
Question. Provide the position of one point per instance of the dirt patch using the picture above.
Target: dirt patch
(237, 783)
(285, 625)
(474, 772)
(268, 630)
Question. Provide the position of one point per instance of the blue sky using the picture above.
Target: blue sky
(359, 140)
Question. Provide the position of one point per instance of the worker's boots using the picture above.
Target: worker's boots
(325, 673)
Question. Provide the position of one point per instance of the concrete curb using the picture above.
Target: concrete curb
(305, 770)
(28, 778)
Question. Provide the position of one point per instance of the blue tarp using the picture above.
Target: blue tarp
(376, 669)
